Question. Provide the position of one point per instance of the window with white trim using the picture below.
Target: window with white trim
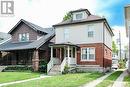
(90, 31)
(88, 54)
(79, 16)
(24, 37)
(66, 34)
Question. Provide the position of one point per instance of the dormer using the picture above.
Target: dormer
(80, 14)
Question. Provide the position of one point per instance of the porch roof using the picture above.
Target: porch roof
(9, 46)
(63, 44)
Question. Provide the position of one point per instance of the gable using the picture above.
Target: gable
(21, 29)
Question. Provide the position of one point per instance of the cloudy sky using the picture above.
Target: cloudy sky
(45, 13)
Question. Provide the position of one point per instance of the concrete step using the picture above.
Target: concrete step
(55, 70)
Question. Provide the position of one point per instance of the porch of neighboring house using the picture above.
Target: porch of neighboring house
(62, 55)
(29, 57)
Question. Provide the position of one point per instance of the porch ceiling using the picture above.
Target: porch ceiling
(63, 45)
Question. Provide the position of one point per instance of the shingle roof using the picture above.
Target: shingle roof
(8, 45)
(33, 26)
(26, 45)
(88, 19)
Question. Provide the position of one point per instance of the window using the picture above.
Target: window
(24, 37)
(90, 31)
(66, 34)
(79, 16)
(88, 54)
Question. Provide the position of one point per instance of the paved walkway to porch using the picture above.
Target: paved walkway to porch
(9, 83)
(97, 81)
(119, 81)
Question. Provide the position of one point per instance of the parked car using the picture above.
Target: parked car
(115, 64)
(126, 65)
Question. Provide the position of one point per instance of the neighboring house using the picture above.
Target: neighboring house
(4, 37)
(127, 25)
(28, 45)
(84, 42)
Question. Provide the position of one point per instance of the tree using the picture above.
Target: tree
(114, 48)
(67, 16)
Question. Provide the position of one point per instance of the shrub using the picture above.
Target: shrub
(18, 68)
(122, 64)
(43, 66)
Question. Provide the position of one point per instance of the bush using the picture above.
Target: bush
(43, 66)
(122, 64)
(18, 68)
(66, 69)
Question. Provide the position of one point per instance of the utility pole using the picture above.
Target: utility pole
(120, 43)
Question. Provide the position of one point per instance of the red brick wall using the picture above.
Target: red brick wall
(107, 56)
(99, 54)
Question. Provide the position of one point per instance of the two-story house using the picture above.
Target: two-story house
(28, 45)
(84, 41)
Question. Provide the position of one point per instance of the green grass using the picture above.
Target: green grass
(16, 76)
(110, 79)
(127, 81)
(68, 80)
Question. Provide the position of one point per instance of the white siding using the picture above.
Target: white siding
(78, 33)
(108, 37)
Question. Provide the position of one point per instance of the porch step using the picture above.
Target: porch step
(55, 70)
(2, 68)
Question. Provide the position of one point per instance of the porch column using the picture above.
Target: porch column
(51, 52)
(35, 60)
(68, 54)
(13, 57)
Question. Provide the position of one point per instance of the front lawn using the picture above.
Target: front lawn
(127, 81)
(108, 82)
(68, 80)
(16, 76)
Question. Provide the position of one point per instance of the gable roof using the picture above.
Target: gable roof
(9, 45)
(31, 25)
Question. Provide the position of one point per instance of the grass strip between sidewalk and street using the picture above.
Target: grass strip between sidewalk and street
(110, 79)
(127, 81)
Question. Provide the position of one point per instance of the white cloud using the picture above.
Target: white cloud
(121, 29)
(48, 12)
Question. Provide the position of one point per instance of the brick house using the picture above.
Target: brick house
(28, 45)
(84, 41)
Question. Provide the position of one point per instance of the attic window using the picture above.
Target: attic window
(79, 16)
(24, 37)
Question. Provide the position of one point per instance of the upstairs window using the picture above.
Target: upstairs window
(24, 37)
(66, 34)
(79, 16)
(90, 31)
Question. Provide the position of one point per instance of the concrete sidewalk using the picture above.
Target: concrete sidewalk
(9, 83)
(97, 81)
(119, 81)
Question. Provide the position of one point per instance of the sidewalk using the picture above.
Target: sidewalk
(119, 81)
(97, 81)
(9, 83)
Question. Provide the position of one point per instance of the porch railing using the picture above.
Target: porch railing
(63, 64)
(50, 65)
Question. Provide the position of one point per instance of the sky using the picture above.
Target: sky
(46, 13)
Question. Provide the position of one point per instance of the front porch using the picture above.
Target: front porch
(62, 55)
(28, 57)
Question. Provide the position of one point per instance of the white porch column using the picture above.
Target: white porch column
(68, 54)
(51, 52)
